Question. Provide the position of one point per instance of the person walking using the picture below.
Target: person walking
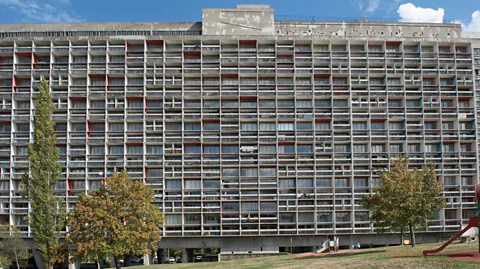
(337, 243)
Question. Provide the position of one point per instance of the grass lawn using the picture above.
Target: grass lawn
(365, 258)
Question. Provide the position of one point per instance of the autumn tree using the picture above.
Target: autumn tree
(47, 215)
(118, 219)
(405, 197)
(13, 248)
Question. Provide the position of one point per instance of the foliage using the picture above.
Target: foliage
(118, 219)
(47, 215)
(13, 248)
(405, 198)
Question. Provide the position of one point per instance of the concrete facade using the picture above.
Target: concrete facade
(255, 134)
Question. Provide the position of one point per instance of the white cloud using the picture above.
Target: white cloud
(40, 10)
(372, 5)
(474, 25)
(410, 13)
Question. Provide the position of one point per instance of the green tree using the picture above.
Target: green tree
(405, 197)
(47, 215)
(13, 247)
(119, 219)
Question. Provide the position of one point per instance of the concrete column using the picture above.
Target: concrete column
(187, 255)
(161, 256)
(38, 259)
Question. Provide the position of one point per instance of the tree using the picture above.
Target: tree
(47, 215)
(118, 219)
(14, 248)
(405, 198)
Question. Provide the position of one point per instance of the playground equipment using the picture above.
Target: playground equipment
(473, 222)
(322, 247)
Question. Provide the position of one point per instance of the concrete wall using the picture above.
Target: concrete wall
(243, 20)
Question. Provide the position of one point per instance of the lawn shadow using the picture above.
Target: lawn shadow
(343, 255)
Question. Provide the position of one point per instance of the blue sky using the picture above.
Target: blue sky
(24, 11)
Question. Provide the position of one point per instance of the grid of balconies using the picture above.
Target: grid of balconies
(245, 137)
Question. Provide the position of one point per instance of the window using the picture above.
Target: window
(341, 183)
(360, 148)
(211, 184)
(193, 149)
(413, 148)
(322, 126)
(304, 183)
(396, 126)
(447, 125)
(211, 126)
(343, 216)
(79, 127)
(285, 103)
(268, 172)
(135, 104)
(249, 104)
(324, 217)
(396, 148)
(97, 150)
(323, 183)
(97, 127)
(264, 149)
(287, 183)
(465, 147)
(340, 103)
(231, 104)
(286, 149)
(448, 148)
(230, 207)
(304, 126)
(211, 104)
(430, 125)
(304, 148)
(5, 128)
(154, 149)
(97, 104)
(410, 103)
(284, 126)
(341, 148)
(154, 172)
(23, 104)
(135, 126)
(266, 104)
(378, 148)
(322, 103)
(193, 184)
(359, 126)
(60, 127)
(116, 150)
(230, 172)
(22, 151)
(116, 127)
(190, 126)
(361, 216)
(192, 104)
(431, 148)
(450, 181)
(249, 172)
(174, 184)
(267, 127)
(467, 181)
(304, 103)
(249, 126)
(135, 150)
(211, 149)
(154, 103)
(230, 149)
(361, 182)
(378, 126)
(95, 185)
(268, 206)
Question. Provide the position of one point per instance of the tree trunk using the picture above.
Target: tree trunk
(401, 237)
(412, 234)
(117, 262)
(98, 263)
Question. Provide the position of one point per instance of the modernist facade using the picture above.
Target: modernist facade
(245, 126)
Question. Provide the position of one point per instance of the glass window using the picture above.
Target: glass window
(361, 182)
(267, 149)
(413, 148)
(286, 149)
(193, 184)
(360, 148)
(193, 149)
(154, 172)
(304, 126)
(230, 149)
(341, 148)
(155, 149)
(230, 172)
(192, 126)
(304, 183)
(322, 126)
(304, 148)
(135, 150)
(174, 184)
(135, 126)
(116, 150)
(116, 127)
(97, 127)
(396, 126)
(79, 127)
(211, 126)
(323, 183)
(135, 104)
(359, 126)
(60, 127)
(249, 172)
(378, 148)
(155, 103)
(284, 126)
(211, 149)
(268, 172)
(396, 148)
(267, 127)
(341, 183)
(249, 126)
(378, 126)
(97, 150)
(211, 184)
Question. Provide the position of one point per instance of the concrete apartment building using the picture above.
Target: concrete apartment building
(255, 134)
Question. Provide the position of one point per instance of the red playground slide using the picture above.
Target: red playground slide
(473, 222)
